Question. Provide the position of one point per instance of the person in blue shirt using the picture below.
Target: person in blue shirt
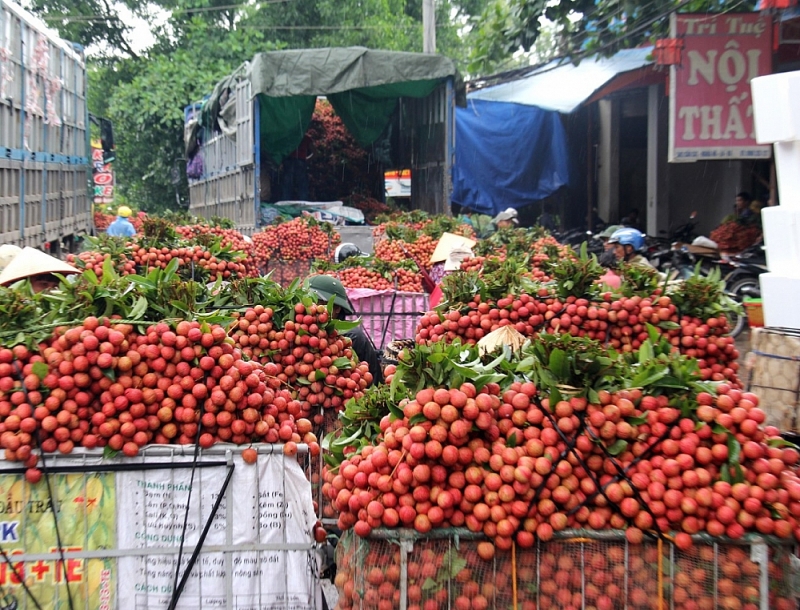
(122, 227)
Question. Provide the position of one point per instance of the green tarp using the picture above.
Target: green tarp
(362, 85)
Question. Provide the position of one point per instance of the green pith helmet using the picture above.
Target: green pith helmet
(609, 231)
(327, 287)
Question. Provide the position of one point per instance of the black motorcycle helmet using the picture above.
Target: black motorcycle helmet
(344, 251)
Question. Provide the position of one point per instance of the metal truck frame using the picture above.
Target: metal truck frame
(44, 135)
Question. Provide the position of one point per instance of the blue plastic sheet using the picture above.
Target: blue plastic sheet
(507, 155)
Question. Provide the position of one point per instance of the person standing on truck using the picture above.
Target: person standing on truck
(122, 227)
(328, 288)
(295, 171)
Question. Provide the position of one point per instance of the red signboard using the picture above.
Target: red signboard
(102, 176)
(711, 109)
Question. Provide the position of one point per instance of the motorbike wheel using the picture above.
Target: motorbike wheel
(736, 291)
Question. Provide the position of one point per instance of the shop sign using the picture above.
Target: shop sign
(711, 107)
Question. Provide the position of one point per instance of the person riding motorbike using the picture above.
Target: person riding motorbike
(328, 288)
(628, 244)
(345, 251)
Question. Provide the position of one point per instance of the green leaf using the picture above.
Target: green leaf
(725, 474)
(512, 441)
(669, 325)
(110, 374)
(343, 364)
(734, 450)
(395, 411)
(40, 369)
(419, 418)
(458, 564)
(646, 352)
(637, 421)
(139, 309)
(558, 364)
(109, 453)
(429, 584)
(647, 378)
(781, 442)
(617, 448)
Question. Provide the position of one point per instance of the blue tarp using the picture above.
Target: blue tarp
(507, 155)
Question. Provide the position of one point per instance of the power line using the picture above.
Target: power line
(205, 9)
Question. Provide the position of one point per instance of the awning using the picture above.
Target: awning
(562, 86)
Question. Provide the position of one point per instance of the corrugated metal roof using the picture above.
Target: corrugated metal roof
(563, 86)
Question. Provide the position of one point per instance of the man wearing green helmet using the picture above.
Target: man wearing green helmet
(328, 288)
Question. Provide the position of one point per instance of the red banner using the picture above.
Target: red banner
(711, 109)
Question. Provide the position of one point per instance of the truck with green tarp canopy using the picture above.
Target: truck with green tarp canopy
(259, 114)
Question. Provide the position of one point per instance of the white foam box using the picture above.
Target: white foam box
(775, 110)
(779, 294)
(787, 170)
(782, 239)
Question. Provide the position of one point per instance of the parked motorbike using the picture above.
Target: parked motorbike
(742, 280)
(660, 249)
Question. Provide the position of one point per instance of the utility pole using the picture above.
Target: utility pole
(428, 26)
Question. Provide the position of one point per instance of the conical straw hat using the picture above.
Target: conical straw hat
(448, 242)
(31, 262)
(7, 254)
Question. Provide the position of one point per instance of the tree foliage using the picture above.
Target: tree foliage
(583, 27)
(144, 92)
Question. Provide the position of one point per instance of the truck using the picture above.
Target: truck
(257, 116)
(45, 158)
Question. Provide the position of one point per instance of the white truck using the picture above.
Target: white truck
(45, 157)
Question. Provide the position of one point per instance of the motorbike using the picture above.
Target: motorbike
(742, 279)
(660, 250)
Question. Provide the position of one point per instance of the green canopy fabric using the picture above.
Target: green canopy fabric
(363, 86)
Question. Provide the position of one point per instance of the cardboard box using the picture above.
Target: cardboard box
(774, 375)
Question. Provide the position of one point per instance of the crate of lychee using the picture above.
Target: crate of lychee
(287, 250)
(520, 443)
(160, 360)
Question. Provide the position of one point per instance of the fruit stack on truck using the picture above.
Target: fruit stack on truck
(260, 112)
(44, 138)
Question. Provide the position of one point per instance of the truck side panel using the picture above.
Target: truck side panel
(227, 187)
(428, 147)
(43, 133)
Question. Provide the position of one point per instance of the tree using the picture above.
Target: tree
(583, 27)
(204, 40)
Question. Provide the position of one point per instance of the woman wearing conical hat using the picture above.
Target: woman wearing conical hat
(36, 266)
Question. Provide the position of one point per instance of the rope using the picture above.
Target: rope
(789, 358)
(660, 574)
(514, 574)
